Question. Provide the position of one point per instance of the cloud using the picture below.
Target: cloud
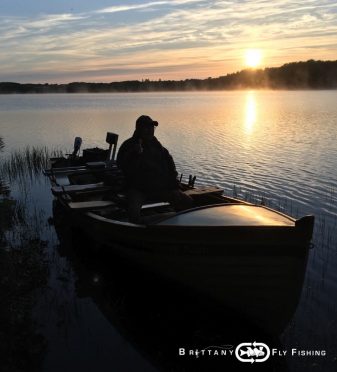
(155, 36)
(124, 8)
(54, 20)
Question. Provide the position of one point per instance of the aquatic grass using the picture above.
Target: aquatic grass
(331, 196)
(325, 232)
(22, 272)
(6, 222)
(4, 188)
(24, 269)
(261, 198)
(27, 162)
(327, 227)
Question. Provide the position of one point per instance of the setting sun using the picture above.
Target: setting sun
(253, 57)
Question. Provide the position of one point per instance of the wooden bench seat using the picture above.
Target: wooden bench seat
(68, 189)
(204, 190)
(91, 205)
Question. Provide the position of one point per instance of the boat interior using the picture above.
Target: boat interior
(102, 192)
(97, 186)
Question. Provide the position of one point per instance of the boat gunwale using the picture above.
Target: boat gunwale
(98, 217)
(235, 202)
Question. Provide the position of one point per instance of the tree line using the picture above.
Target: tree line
(296, 75)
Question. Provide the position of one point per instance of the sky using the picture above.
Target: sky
(61, 41)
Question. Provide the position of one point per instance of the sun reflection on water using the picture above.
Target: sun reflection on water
(250, 113)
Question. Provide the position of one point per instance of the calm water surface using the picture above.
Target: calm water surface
(280, 146)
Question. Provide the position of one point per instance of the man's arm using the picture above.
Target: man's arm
(172, 171)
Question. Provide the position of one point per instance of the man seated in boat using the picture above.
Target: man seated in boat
(149, 170)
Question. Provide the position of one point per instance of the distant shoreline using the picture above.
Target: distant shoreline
(309, 75)
(175, 91)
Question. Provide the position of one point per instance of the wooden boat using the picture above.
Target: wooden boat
(250, 257)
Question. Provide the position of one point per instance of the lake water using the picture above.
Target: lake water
(275, 145)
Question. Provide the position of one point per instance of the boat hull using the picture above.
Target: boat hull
(260, 274)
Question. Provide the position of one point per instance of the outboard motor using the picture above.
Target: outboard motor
(77, 146)
(112, 139)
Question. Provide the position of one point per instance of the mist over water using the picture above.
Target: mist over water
(275, 145)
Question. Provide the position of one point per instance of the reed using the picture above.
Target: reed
(261, 198)
(29, 161)
(24, 259)
(24, 270)
(325, 232)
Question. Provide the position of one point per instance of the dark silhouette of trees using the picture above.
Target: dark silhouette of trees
(296, 75)
(308, 75)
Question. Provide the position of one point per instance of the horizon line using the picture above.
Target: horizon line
(162, 80)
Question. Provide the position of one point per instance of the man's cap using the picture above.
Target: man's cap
(145, 120)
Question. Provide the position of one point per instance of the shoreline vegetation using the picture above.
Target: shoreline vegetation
(24, 272)
(311, 74)
(24, 262)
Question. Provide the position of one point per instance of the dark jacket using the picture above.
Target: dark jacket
(151, 170)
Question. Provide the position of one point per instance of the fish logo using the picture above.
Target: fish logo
(250, 352)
